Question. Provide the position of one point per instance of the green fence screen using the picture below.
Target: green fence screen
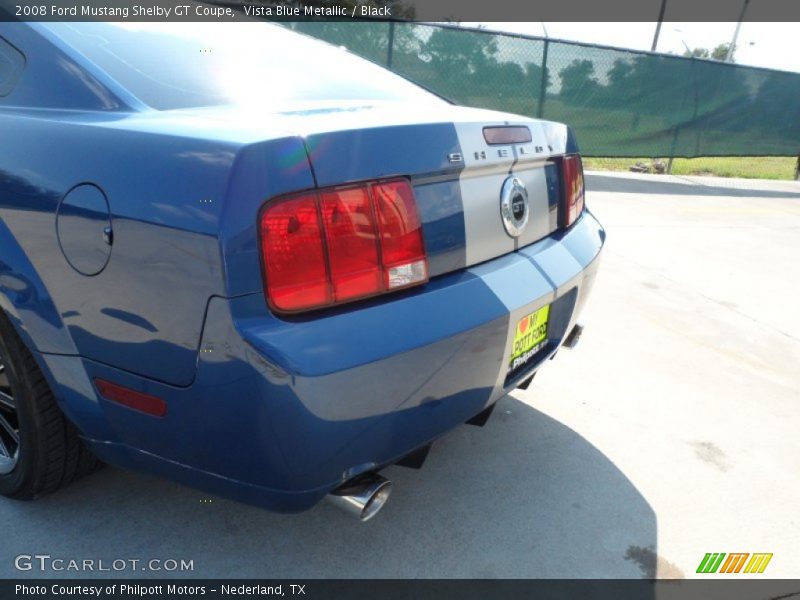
(620, 102)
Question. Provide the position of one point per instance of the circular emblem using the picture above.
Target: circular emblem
(514, 206)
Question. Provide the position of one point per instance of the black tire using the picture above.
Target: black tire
(50, 455)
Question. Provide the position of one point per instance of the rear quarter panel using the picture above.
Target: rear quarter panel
(144, 311)
(165, 176)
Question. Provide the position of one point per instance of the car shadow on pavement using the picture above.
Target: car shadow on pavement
(654, 185)
(524, 496)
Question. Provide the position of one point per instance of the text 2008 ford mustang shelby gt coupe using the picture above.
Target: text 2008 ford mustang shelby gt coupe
(249, 261)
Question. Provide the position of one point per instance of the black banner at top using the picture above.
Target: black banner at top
(412, 10)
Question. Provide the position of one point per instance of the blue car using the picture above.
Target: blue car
(253, 263)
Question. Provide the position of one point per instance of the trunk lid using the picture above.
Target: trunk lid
(457, 176)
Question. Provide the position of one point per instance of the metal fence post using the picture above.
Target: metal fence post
(672, 148)
(543, 85)
(390, 48)
(677, 132)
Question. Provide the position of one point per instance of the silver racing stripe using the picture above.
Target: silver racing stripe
(481, 180)
(514, 280)
(485, 169)
(532, 175)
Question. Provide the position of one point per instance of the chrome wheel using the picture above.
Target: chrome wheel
(9, 423)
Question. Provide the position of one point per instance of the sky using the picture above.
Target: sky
(770, 45)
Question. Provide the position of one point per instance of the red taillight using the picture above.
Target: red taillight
(140, 401)
(573, 190)
(341, 244)
(349, 221)
(403, 254)
(291, 236)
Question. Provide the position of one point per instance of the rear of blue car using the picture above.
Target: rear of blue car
(314, 372)
(390, 266)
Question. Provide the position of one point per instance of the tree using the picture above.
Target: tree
(697, 53)
(720, 52)
(455, 54)
(578, 85)
(462, 65)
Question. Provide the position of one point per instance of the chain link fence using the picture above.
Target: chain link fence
(621, 103)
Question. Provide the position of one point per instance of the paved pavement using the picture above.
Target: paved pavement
(671, 431)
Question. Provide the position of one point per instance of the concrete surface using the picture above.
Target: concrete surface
(671, 431)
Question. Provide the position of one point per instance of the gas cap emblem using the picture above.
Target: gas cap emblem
(514, 206)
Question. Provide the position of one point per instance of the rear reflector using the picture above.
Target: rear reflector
(573, 189)
(340, 244)
(140, 401)
(506, 135)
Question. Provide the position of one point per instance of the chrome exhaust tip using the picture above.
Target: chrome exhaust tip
(363, 497)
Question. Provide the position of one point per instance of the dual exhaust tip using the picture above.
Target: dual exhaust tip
(362, 497)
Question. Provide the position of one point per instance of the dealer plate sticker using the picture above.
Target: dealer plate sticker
(530, 335)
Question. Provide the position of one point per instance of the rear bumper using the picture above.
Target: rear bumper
(281, 412)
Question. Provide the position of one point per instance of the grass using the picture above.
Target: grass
(751, 167)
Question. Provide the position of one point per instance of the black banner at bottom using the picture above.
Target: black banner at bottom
(391, 589)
